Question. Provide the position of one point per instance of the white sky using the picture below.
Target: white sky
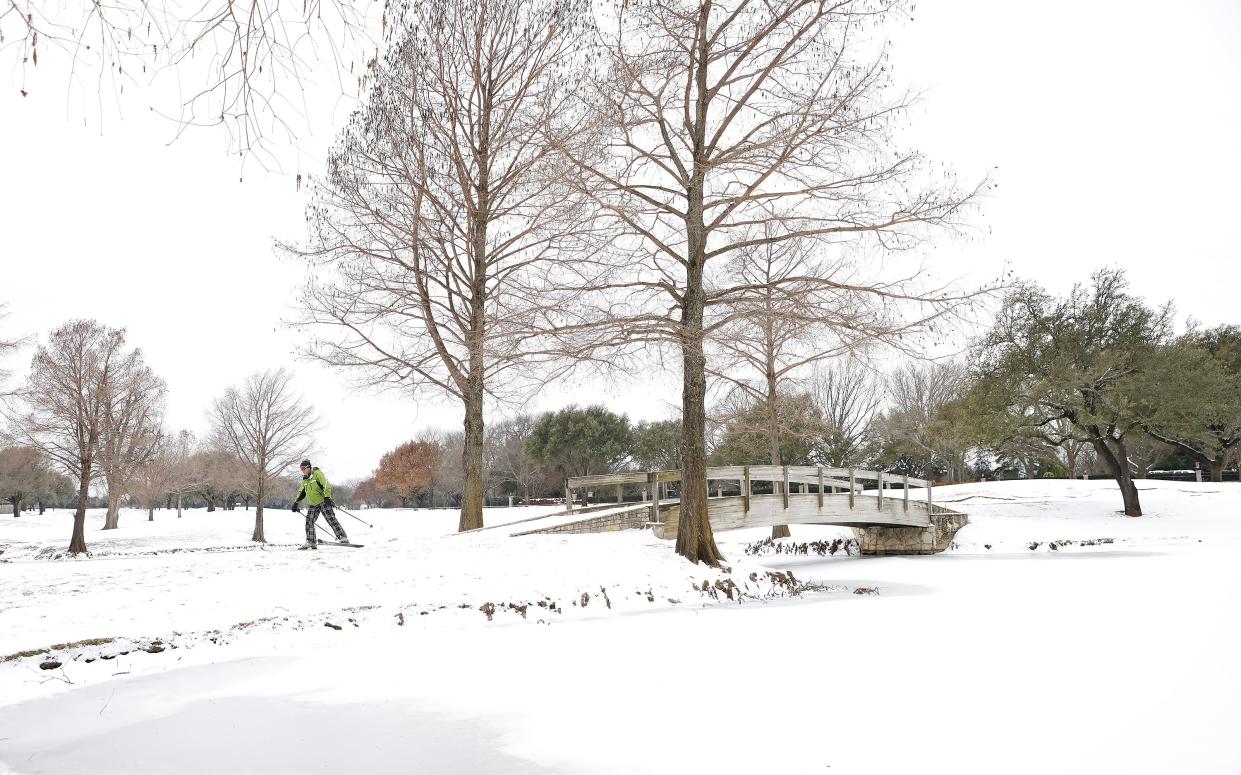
(1112, 131)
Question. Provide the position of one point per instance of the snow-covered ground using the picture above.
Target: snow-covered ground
(1056, 636)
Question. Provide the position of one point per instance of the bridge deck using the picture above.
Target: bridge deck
(730, 513)
(801, 495)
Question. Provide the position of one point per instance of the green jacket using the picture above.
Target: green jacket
(314, 488)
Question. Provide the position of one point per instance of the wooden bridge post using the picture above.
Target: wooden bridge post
(852, 486)
(745, 489)
(568, 496)
(653, 478)
(906, 492)
(786, 488)
(820, 488)
(879, 492)
(620, 493)
(929, 509)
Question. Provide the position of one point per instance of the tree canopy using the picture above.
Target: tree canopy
(581, 441)
(1074, 366)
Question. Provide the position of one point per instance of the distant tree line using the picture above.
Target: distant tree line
(87, 430)
(1094, 383)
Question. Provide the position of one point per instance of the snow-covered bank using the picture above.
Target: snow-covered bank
(1112, 657)
(183, 580)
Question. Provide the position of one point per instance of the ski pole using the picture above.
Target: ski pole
(355, 516)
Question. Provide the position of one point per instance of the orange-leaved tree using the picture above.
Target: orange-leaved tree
(408, 471)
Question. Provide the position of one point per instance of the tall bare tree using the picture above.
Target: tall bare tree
(184, 476)
(168, 475)
(268, 427)
(132, 430)
(64, 404)
(789, 320)
(152, 482)
(849, 395)
(444, 216)
(737, 125)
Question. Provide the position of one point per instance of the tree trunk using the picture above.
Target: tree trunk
(773, 440)
(150, 513)
(1070, 459)
(476, 337)
(41, 508)
(17, 506)
(210, 505)
(1117, 462)
(258, 514)
(113, 519)
(77, 544)
(1216, 467)
(178, 505)
(472, 498)
(695, 541)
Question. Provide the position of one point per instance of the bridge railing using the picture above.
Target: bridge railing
(825, 481)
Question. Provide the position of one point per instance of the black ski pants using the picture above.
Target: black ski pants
(312, 514)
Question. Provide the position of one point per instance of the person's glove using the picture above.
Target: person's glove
(329, 502)
(296, 506)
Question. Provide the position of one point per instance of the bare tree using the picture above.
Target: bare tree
(849, 395)
(132, 428)
(152, 482)
(64, 404)
(450, 478)
(168, 475)
(914, 428)
(444, 215)
(184, 477)
(267, 427)
(738, 125)
(512, 463)
(218, 474)
(244, 67)
(788, 321)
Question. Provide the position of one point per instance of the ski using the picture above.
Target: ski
(338, 543)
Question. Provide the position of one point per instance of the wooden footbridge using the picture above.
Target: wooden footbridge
(789, 495)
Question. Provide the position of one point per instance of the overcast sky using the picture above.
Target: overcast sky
(1111, 128)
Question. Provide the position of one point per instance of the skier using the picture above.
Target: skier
(318, 494)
